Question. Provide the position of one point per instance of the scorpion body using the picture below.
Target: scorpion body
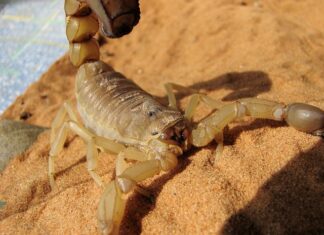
(114, 107)
(120, 117)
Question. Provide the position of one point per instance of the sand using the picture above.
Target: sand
(270, 179)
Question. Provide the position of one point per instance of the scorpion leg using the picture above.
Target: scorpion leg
(219, 138)
(58, 135)
(92, 152)
(169, 87)
(303, 117)
(60, 118)
(109, 146)
(55, 148)
(93, 142)
(194, 101)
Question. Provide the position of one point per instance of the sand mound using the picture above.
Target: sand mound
(270, 178)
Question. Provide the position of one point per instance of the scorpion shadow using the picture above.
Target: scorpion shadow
(290, 202)
(245, 84)
(240, 84)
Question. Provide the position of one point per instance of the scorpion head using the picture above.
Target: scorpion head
(171, 141)
(177, 134)
(168, 126)
(116, 17)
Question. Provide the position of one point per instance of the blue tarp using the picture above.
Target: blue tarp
(32, 37)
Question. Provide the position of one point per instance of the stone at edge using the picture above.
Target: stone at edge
(2, 204)
(15, 138)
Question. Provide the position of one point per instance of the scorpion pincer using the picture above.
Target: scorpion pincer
(148, 137)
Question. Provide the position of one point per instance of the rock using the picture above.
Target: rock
(2, 204)
(15, 137)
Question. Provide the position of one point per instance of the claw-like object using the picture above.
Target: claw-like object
(305, 117)
(111, 209)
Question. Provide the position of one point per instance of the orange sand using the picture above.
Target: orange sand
(270, 179)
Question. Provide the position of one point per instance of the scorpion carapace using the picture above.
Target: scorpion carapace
(119, 117)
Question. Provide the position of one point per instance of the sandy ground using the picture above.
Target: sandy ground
(270, 179)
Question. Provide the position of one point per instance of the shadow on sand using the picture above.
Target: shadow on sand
(240, 85)
(290, 202)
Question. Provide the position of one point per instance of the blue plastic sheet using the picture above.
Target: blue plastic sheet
(32, 37)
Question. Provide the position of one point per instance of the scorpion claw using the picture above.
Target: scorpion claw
(306, 118)
(111, 209)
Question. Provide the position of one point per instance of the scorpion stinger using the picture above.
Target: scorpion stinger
(117, 17)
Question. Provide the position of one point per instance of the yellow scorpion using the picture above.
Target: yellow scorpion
(122, 118)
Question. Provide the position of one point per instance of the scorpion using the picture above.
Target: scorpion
(148, 137)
